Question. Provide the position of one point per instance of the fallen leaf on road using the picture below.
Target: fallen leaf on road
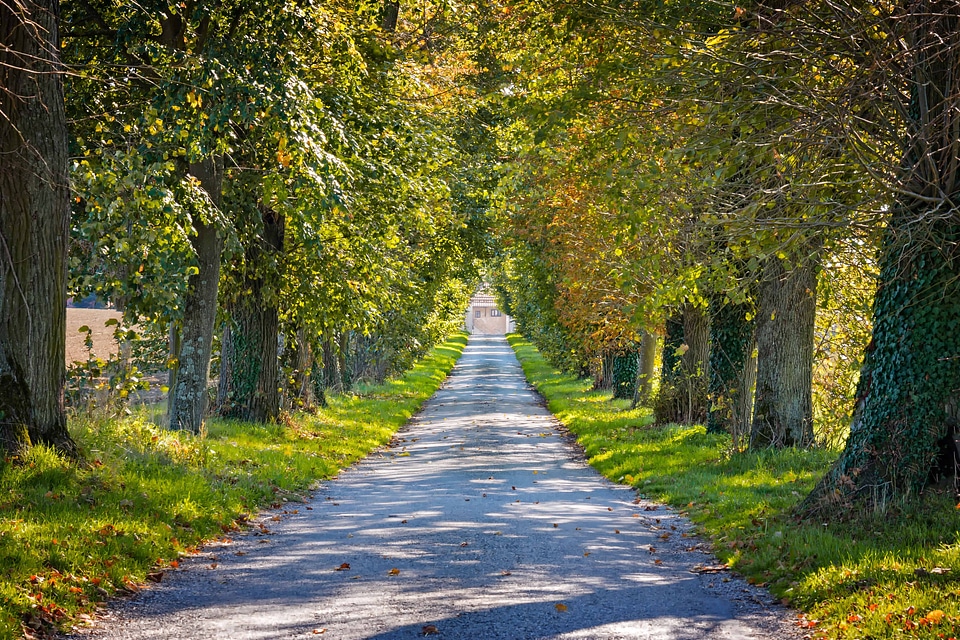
(155, 576)
(393, 572)
(560, 607)
(343, 567)
(710, 568)
(505, 573)
(430, 630)
(317, 632)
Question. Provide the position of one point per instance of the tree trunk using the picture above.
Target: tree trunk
(255, 374)
(390, 15)
(603, 377)
(189, 402)
(331, 366)
(34, 224)
(303, 372)
(645, 369)
(343, 356)
(225, 379)
(786, 312)
(907, 396)
(695, 363)
(731, 380)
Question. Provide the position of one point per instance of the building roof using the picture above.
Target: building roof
(481, 300)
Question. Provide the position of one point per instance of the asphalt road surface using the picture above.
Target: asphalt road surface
(480, 521)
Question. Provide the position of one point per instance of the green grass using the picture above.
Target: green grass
(893, 575)
(73, 534)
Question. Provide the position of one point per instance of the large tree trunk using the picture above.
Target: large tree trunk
(255, 374)
(732, 368)
(34, 223)
(695, 362)
(786, 312)
(189, 397)
(907, 396)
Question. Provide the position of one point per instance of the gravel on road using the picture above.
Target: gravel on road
(480, 521)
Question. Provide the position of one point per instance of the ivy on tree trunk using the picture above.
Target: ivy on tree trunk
(732, 367)
(908, 396)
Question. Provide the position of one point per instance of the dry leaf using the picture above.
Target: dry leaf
(560, 607)
(431, 630)
(505, 573)
(393, 572)
(343, 567)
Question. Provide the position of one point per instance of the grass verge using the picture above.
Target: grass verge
(892, 575)
(72, 535)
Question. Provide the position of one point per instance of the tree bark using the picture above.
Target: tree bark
(331, 366)
(34, 225)
(225, 380)
(390, 15)
(189, 396)
(732, 367)
(255, 373)
(646, 369)
(303, 372)
(786, 313)
(695, 362)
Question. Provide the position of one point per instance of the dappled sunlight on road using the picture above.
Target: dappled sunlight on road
(479, 519)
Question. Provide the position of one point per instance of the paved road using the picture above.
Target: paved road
(481, 521)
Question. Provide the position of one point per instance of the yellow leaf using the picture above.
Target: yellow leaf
(393, 572)
(560, 607)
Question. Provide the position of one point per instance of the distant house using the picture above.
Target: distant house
(483, 316)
